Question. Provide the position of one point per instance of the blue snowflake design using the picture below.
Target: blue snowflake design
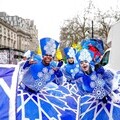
(50, 47)
(71, 53)
(44, 76)
(85, 55)
(92, 109)
(99, 92)
(39, 84)
(98, 84)
(74, 70)
(71, 87)
(48, 104)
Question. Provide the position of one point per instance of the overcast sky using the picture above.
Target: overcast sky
(49, 15)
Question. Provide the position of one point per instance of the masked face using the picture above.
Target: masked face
(85, 66)
(47, 59)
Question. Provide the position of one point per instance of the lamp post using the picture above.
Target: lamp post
(92, 30)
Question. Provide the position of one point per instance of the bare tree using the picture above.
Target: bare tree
(104, 22)
(78, 28)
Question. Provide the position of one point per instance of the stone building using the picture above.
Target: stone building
(17, 35)
(22, 33)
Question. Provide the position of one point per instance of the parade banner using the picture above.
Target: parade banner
(8, 85)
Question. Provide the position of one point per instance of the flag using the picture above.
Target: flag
(8, 85)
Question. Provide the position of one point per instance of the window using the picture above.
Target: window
(0, 29)
(4, 31)
(8, 33)
(4, 41)
(11, 34)
(0, 39)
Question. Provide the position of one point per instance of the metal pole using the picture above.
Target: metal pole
(92, 30)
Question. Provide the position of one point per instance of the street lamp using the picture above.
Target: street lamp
(92, 30)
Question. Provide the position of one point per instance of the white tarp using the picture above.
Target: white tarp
(114, 37)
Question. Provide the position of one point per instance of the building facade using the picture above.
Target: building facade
(17, 35)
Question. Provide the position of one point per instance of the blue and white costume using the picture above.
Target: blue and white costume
(39, 75)
(70, 69)
(96, 91)
(27, 56)
(51, 102)
(98, 82)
